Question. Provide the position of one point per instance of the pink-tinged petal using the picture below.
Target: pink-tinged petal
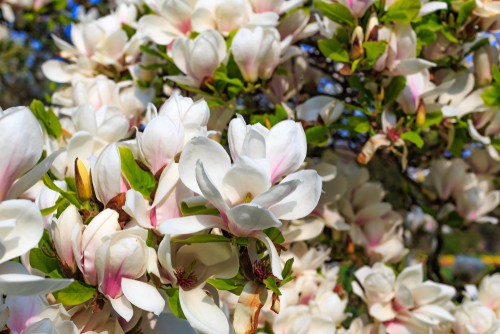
(61, 231)
(286, 148)
(137, 208)
(274, 257)
(244, 219)
(303, 200)
(123, 307)
(15, 280)
(135, 291)
(158, 29)
(190, 224)
(28, 230)
(247, 177)
(214, 157)
(18, 128)
(32, 177)
(208, 189)
(202, 312)
(23, 310)
(160, 142)
(104, 224)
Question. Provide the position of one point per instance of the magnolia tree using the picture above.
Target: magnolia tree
(252, 166)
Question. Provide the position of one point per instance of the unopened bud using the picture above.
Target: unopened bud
(82, 180)
(421, 114)
(357, 43)
(372, 28)
(484, 58)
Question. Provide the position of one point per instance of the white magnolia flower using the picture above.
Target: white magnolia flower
(405, 303)
(475, 318)
(256, 52)
(198, 58)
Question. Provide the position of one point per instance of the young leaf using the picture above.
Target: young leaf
(491, 96)
(75, 294)
(414, 138)
(197, 210)
(270, 283)
(402, 11)
(373, 51)
(332, 49)
(336, 12)
(47, 118)
(317, 134)
(202, 238)
(174, 303)
(395, 88)
(139, 179)
(43, 262)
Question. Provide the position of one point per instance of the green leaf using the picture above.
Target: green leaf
(495, 73)
(269, 120)
(221, 284)
(275, 235)
(317, 134)
(43, 262)
(362, 127)
(336, 12)
(270, 283)
(466, 11)
(47, 118)
(222, 76)
(197, 210)
(433, 119)
(287, 272)
(331, 48)
(426, 36)
(402, 11)
(75, 294)
(174, 303)
(414, 138)
(202, 238)
(395, 88)
(373, 51)
(139, 179)
(491, 96)
(71, 197)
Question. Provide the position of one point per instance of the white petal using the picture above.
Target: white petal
(27, 231)
(158, 29)
(286, 148)
(137, 208)
(208, 189)
(202, 313)
(15, 280)
(123, 307)
(236, 134)
(143, 295)
(273, 255)
(246, 176)
(190, 224)
(167, 183)
(215, 160)
(249, 217)
(303, 200)
(56, 71)
(276, 193)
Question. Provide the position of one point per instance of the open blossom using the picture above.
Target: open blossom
(243, 191)
(198, 58)
(257, 52)
(406, 303)
(475, 318)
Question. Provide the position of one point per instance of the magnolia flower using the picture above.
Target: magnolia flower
(484, 59)
(33, 314)
(121, 261)
(175, 18)
(256, 52)
(61, 231)
(461, 99)
(481, 163)
(86, 239)
(405, 303)
(243, 192)
(489, 292)
(18, 128)
(445, 176)
(106, 175)
(475, 318)
(198, 58)
(400, 56)
(277, 6)
(189, 266)
(476, 199)
(324, 107)
(357, 7)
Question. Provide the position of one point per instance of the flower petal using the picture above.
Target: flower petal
(190, 224)
(135, 291)
(273, 254)
(202, 313)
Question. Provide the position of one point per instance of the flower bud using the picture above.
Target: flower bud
(484, 58)
(82, 180)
